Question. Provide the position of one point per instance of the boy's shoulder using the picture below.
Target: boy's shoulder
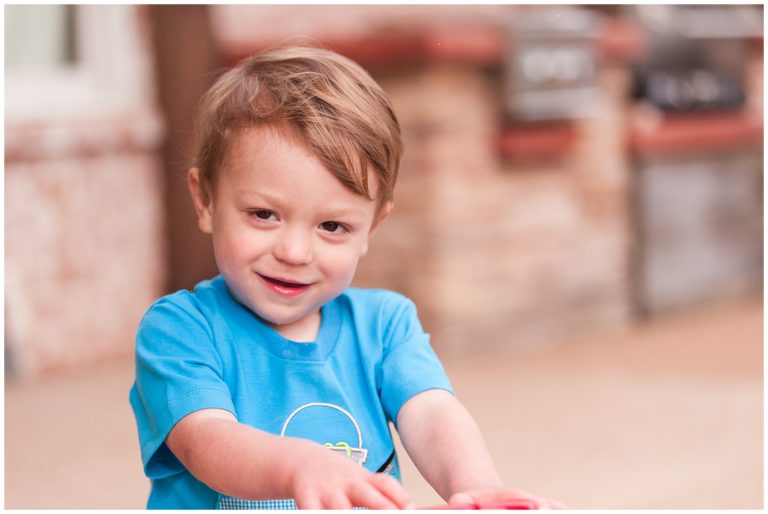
(384, 315)
(375, 296)
(378, 303)
(204, 297)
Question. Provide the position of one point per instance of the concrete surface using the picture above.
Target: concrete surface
(668, 414)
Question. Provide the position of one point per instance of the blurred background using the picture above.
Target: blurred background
(579, 219)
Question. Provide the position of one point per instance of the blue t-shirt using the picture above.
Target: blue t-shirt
(204, 349)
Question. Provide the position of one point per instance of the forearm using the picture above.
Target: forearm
(446, 444)
(235, 459)
(244, 462)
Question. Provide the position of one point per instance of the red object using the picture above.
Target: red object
(537, 141)
(694, 133)
(508, 505)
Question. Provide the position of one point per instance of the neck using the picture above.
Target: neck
(304, 330)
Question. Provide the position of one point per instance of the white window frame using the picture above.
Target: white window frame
(112, 76)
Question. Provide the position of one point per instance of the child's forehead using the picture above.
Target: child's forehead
(266, 135)
(254, 148)
(271, 150)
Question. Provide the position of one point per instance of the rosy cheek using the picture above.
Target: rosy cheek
(228, 252)
(337, 261)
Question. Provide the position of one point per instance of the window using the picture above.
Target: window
(75, 62)
(40, 37)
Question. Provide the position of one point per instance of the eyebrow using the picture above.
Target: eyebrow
(250, 193)
(341, 212)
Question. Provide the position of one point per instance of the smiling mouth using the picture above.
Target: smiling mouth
(284, 287)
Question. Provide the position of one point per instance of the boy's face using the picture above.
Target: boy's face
(287, 234)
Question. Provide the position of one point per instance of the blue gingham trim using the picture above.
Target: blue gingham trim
(230, 503)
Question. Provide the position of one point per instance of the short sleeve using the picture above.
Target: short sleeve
(409, 365)
(178, 371)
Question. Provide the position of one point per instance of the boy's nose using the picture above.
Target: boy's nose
(293, 247)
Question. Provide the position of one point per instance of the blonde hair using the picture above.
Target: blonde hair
(340, 113)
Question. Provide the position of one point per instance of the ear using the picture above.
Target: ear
(201, 200)
(381, 215)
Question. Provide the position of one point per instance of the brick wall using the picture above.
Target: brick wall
(84, 255)
(498, 253)
(494, 252)
(84, 227)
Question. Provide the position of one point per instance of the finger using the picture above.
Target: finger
(393, 490)
(313, 504)
(543, 503)
(540, 503)
(461, 499)
(308, 501)
(337, 501)
(364, 494)
(491, 497)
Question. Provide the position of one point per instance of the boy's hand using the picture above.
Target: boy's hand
(244, 462)
(481, 496)
(324, 480)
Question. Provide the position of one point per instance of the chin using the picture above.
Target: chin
(278, 319)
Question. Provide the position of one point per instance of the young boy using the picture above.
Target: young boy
(274, 382)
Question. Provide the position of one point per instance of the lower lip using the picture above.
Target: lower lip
(288, 292)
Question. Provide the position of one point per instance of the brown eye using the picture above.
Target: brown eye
(330, 226)
(262, 214)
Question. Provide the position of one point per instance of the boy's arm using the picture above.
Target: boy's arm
(244, 462)
(447, 447)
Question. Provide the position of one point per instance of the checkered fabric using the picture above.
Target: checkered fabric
(230, 503)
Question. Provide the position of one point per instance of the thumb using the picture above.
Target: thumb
(460, 498)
